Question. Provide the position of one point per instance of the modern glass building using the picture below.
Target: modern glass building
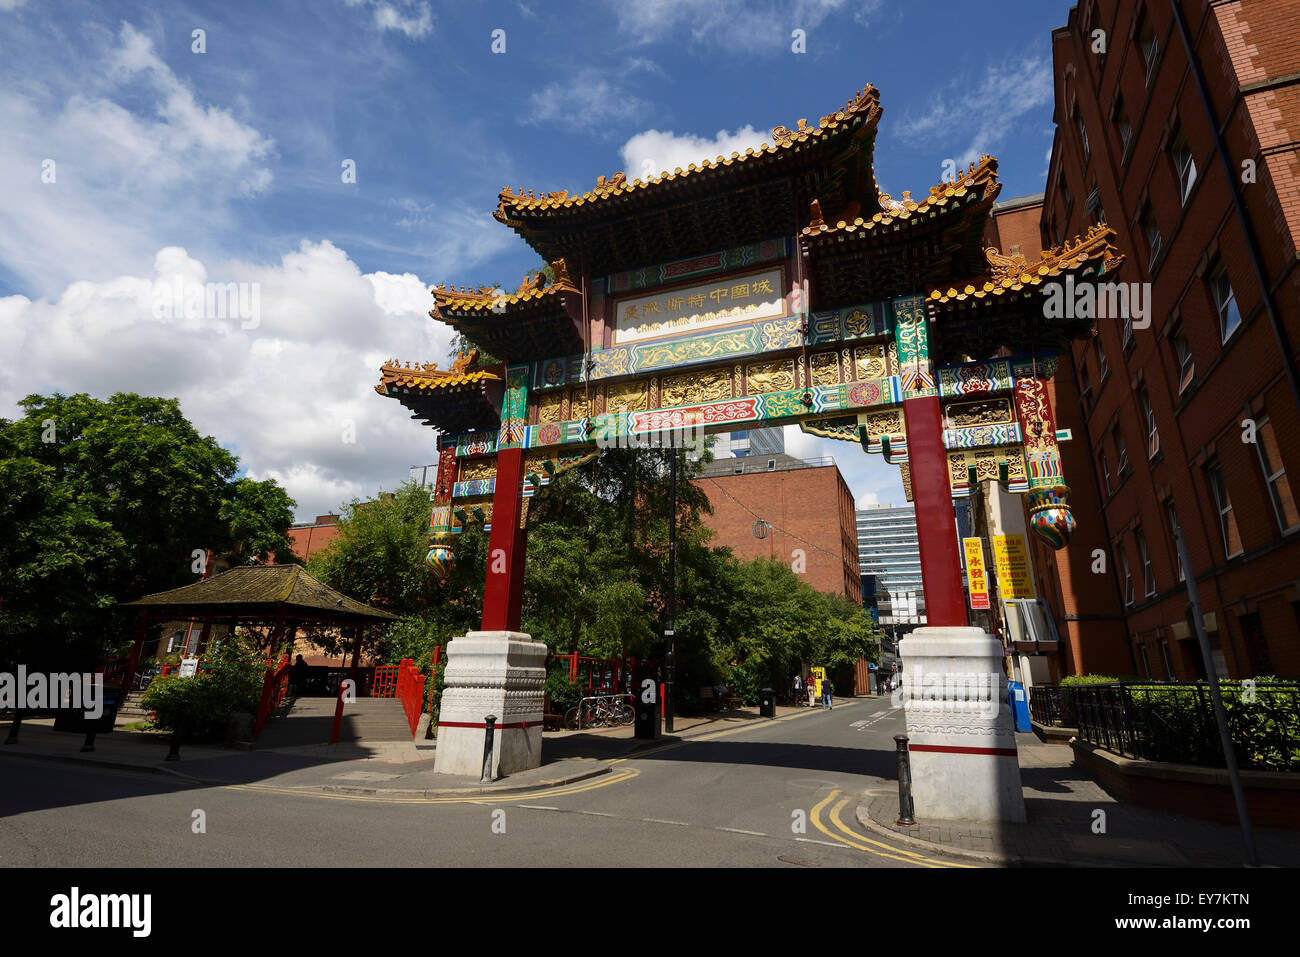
(889, 555)
(751, 442)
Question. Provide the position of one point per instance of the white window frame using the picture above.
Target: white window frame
(1270, 478)
(1148, 573)
(1155, 242)
(1186, 361)
(1151, 53)
(1225, 304)
(1130, 596)
(1122, 466)
(1153, 433)
(1105, 472)
(1220, 493)
(1171, 514)
(1083, 136)
(1184, 166)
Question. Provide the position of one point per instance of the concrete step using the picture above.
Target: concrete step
(310, 721)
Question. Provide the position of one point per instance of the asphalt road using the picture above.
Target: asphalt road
(779, 793)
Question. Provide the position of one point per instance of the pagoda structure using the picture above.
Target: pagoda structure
(775, 286)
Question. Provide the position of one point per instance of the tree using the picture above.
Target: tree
(106, 501)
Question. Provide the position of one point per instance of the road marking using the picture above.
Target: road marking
(810, 840)
(909, 857)
(738, 830)
(713, 735)
(655, 820)
(596, 813)
(605, 780)
(539, 807)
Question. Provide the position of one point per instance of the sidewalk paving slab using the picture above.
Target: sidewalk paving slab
(1061, 802)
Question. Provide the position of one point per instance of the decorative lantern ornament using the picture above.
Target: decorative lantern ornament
(441, 559)
(1050, 515)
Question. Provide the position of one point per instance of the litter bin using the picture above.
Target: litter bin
(767, 703)
(1019, 701)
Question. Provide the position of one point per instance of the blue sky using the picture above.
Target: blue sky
(226, 166)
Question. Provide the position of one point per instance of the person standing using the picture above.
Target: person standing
(798, 689)
(812, 691)
(828, 689)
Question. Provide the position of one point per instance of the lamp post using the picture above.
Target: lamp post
(670, 632)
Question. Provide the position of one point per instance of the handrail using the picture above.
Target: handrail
(275, 684)
(410, 691)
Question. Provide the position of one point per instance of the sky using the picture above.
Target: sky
(334, 159)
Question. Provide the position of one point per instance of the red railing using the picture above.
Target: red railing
(433, 684)
(274, 687)
(384, 684)
(410, 690)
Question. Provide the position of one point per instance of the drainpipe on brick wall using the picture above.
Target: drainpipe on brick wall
(1252, 243)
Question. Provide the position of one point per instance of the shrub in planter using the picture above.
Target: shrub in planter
(204, 703)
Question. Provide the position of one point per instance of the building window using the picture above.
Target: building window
(1150, 48)
(1105, 472)
(1186, 366)
(740, 468)
(1083, 136)
(1252, 633)
(1122, 468)
(1173, 536)
(1227, 520)
(1152, 232)
(1085, 392)
(1184, 166)
(1148, 573)
(1225, 301)
(1279, 488)
(1125, 128)
(1102, 369)
(771, 465)
(1128, 574)
(1153, 434)
(1146, 665)
(1164, 653)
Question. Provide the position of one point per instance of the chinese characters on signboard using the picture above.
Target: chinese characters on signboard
(976, 573)
(1012, 559)
(718, 303)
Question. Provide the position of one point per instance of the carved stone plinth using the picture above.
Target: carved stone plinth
(959, 728)
(499, 673)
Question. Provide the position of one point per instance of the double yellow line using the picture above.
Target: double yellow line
(589, 784)
(852, 838)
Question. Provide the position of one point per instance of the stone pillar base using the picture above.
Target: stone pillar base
(499, 673)
(959, 728)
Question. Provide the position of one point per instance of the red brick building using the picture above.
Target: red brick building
(1188, 408)
(808, 506)
(308, 538)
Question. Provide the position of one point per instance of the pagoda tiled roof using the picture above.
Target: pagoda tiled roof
(1010, 274)
(458, 399)
(429, 378)
(862, 108)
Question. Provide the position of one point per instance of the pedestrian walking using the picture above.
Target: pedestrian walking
(812, 691)
(798, 690)
(828, 689)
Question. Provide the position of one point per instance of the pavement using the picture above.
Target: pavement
(1065, 829)
(395, 769)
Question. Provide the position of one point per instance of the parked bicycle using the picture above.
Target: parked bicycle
(599, 712)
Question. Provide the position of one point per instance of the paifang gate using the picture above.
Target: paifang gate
(766, 288)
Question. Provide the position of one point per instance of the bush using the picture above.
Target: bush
(203, 704)
(565, 694)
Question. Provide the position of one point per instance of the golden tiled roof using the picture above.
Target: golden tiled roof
(1012, 273)
(866, 104)
(487, 300)
(429, 378)
(892, 211)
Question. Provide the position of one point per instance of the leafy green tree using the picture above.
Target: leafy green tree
(103, 501)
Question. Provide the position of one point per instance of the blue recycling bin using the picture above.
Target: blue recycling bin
(1018, 698)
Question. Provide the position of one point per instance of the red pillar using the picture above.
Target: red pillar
(936, 528)
(503, 595)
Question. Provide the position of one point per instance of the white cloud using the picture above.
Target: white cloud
(869, 477)
(414, 25)
(282, 395)
(92, 183)
(739, 26)
(653, 151)
(589, 100)
(974, 116)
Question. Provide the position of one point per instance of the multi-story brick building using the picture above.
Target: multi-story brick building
(1178, 124)
(806, 506)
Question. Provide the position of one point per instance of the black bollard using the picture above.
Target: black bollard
(13, 728)
(904, 782)
(174, 754)
(489, 730)
(89, 743)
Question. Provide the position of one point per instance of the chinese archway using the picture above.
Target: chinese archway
(771, 287)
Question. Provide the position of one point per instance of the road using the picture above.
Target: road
(777, 793)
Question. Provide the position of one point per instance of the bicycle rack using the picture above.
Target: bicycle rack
(582, 704)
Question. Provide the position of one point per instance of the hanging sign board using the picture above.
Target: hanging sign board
(976, 573)
(1011, 556)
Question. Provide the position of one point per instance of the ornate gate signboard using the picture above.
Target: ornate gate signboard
(773, 287)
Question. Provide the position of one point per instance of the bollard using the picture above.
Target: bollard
(904, 782)
(89, 743)
(174, 754)
(489, 729)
